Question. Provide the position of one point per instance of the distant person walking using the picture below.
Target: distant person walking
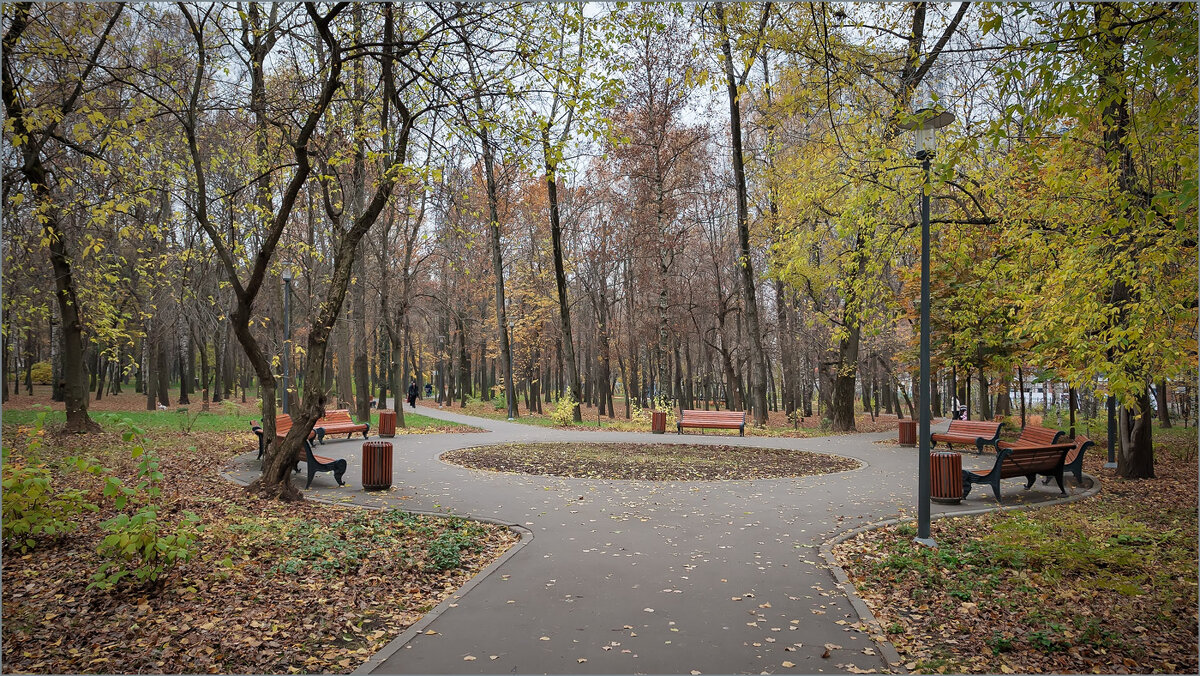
(412, 394)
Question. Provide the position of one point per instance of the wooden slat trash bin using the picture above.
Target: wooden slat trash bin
(658, 422)
(908, 432)
(377, 465)
(945, 478)
(387, 423)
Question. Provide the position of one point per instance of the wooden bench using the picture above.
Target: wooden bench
(1034, 436)
(1074, 460)
(732, 420)
(977, 432)
(1027, 461)
(316, 463)
(339, 422)
(283, 424)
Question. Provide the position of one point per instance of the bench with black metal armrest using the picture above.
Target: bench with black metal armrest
(315, 463)
(1027, 461)
(978, 433)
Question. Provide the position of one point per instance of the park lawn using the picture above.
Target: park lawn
(777, 423)
(234, 418)
(1107, 584)
(273, 587)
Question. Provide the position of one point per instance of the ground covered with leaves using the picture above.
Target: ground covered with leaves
(1103, 585)
(269, 587)
(650, 462)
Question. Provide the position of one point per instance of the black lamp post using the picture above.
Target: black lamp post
(925, 143)
(510, 394)
(1112, 433)
(287, 332)
(441, 372)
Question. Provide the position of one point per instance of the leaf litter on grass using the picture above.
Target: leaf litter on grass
(1103, 585)
(275, 588)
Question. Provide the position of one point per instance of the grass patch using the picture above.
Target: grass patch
(652, 462)
(195, 420)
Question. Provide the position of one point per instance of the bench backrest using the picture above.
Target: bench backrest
(1022, 461)
(1037, 436)
(975, 428)
(688, 415)
(1080, 441)
(339, 417)
(283, 423)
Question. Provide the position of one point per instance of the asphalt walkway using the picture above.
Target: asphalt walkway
(647, 577)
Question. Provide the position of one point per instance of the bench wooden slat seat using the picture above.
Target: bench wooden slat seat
(1034, 436)
(733, 420)
(1026, 461)
(980, 433)
(315, 463)
(339, 422)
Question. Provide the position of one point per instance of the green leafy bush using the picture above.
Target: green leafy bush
(140, 546)
(563, 414)
(42, 373)
(32, 511)
(446, 551)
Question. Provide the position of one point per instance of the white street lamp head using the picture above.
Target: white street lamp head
(925, 126)
(287, 275)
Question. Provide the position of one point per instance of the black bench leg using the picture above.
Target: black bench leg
(996, 490)
(966, 485)
(339, 468)
(320, 435)
(1058, 476)
(367, 431)
(312, 472)
(1030, 479)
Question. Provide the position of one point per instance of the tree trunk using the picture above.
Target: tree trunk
(560, 277)
(1163, 397)
(985, 404)
(164, 375)
(204, 397)
(493, 197)
(1021, 391)
(1135, 432)
(841, 414)
(183, 376)
(758, 380)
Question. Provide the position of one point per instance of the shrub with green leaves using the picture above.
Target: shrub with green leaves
(42, 373)
(564, 411)
(140, 547)
(32, 511)
(446, 551)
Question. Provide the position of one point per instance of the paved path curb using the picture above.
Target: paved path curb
(864, 611)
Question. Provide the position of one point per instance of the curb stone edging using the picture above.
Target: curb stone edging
(875, 629)
(416, 628)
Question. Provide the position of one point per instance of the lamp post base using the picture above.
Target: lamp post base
(926, 542)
